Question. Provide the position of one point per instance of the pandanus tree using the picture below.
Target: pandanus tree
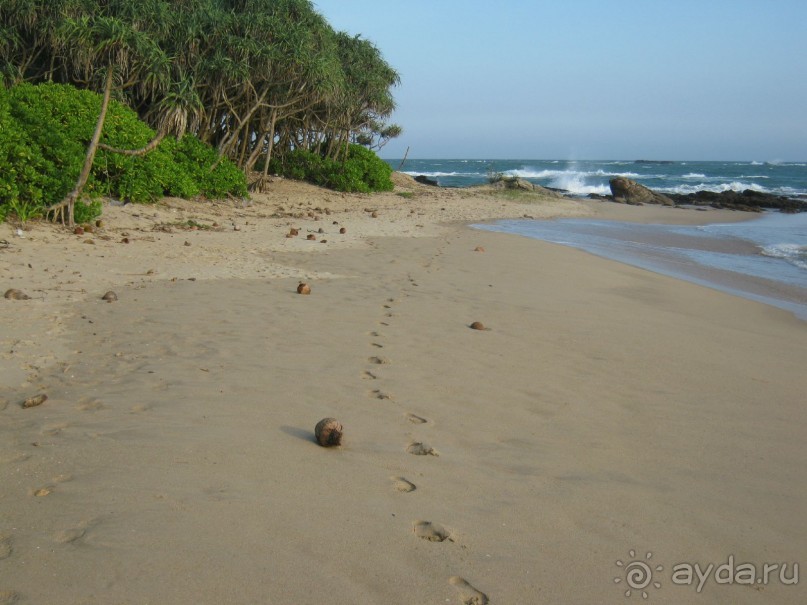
(253, 78)
(107, 53)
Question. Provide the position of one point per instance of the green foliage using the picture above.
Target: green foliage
(193, 160)
(363, 171)
(277, 65)
(87, 213)
(44, 133)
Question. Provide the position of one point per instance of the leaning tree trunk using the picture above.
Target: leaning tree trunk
(69, 202)
(136, 152)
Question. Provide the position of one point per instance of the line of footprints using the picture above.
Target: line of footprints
(427, 530)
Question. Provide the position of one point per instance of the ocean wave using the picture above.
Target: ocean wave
(716, 187)
(532, 173)
(694, 175)
(435, 174)
(792, 253)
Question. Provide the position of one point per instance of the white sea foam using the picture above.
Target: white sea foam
(716, 187)
(694, 175)
(792, 253)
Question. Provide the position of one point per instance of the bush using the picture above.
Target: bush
(363, 171)
(44, 133)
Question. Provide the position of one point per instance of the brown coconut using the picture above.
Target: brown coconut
(110, 296)
(32, 402)
(477, 325)
(14, 294)
(328, 432)
(303, 288)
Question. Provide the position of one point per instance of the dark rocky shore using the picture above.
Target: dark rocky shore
(626, 191)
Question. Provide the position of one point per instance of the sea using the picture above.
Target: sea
(762, 259)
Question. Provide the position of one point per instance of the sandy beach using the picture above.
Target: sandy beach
(607, 415)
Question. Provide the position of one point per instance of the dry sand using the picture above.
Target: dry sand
(606, 409)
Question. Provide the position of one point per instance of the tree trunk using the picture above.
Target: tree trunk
(69, 202)
(142, 151)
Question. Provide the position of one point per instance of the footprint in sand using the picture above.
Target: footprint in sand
(468, 594)
(42, 491)
(3, 404)
(139, 408)
(8, 597)
(379, 360)
(415, 419)
(379, 394)
(6, 547)
(403, 485)
(421, 449)
(433, 532)
(377, 345)
(368, 374)
(90, 405)
(53, 430)
(68, 536)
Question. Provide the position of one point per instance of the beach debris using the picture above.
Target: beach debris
(78, 230)
(34, 401)
(42, 491)
(311, 236)
(303, 288)
(110, 297)
(14, 294)
(342, 230)
(479, 249)
(374, 214)
(320, 230)
(328, 432)
(125, 240)
(99, 223)
(478, 325)
(293, 232)
(187, 243)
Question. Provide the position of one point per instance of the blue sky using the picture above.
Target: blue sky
(591, 79)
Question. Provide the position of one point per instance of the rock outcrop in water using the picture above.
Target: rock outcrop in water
(626, 191)
(748, 200)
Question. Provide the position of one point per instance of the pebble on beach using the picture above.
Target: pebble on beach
(303, 288)
(110, 296)
(478, 325)
(328, 432)
(14, 294)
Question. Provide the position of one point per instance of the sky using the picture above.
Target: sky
(591, 79)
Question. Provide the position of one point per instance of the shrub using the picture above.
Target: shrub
(44, 133)
(363, 171)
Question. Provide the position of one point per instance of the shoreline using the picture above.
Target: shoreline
(607, 409)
